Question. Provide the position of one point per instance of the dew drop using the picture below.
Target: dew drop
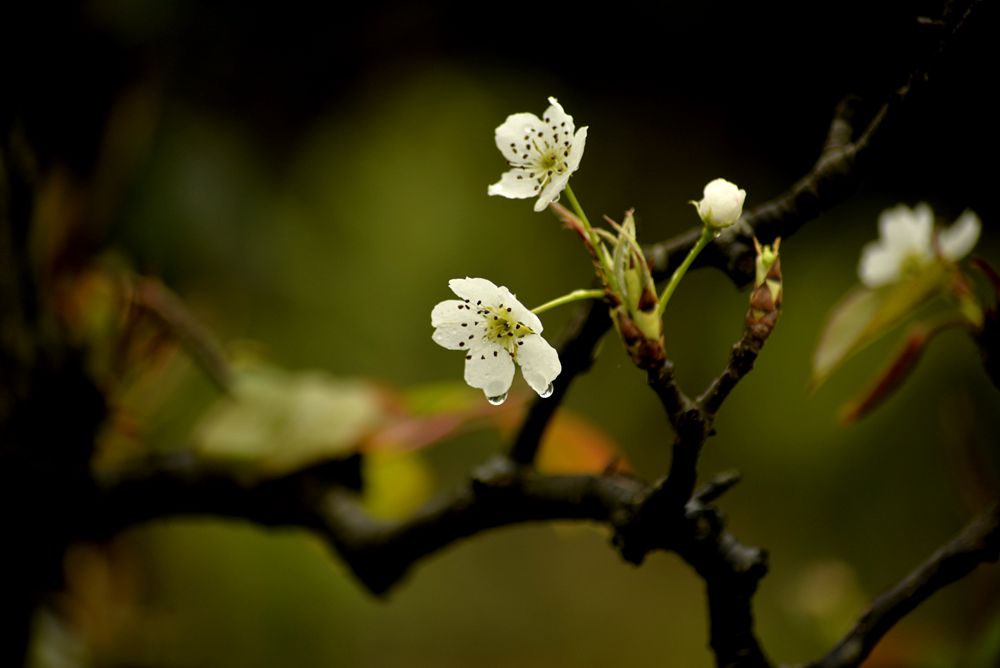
(497, 400)
(548, 391)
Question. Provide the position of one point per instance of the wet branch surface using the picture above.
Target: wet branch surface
(671, 514)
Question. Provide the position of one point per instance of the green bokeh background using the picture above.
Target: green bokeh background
(327, 241)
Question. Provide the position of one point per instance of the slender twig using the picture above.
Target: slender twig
(977, 543)
(741, 361)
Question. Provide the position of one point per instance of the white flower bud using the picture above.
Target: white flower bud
(722, 204)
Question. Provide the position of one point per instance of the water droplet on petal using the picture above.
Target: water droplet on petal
(548, 391)
(497, 400)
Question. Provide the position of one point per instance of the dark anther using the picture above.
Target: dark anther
(482, 357)
(519, 177)
(478, 302)
(468, 357)
(508, 309)
(520, 343)
(494, 353)
(470, 336)
(461, 343)
(465, 324)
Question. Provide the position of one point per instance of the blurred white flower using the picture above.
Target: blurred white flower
(906, 243)
(543, 154)
(722, 204)
(494, 330)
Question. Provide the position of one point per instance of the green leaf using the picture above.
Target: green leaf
(865, 314)
(278, 421)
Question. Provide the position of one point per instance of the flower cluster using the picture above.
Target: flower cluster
(907, 243)
(494, 330)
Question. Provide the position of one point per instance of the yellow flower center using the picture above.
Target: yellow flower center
(504, 329)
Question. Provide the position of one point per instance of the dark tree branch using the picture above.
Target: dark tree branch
(319, 498)
(381, 553)
(577, 356)
(731, 572)
(978, 543)
(741, 361)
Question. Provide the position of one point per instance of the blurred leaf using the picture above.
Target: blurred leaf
(278, 421)
(436, 398)
(891, 377)
(428, 414)
(396, 483)
(573, 444)
(865, 314)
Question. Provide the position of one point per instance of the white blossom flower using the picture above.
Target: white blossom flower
(494, 330)
(906, 243)
(722, 204)
(543, 154)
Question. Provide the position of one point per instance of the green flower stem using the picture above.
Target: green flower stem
(602, 252)
(707, 234)
(574, 296)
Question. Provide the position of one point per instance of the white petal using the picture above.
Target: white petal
(454, 336)
(721, 204)
(576, 150)
(489, 368)
(550, 193)
(517, 136)
(478, 291)
(451, 311)
(539, 362)
(514, 184)
(880, 264)
(910, 229)
(519, 310)
(558, 120)
(958, 240)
